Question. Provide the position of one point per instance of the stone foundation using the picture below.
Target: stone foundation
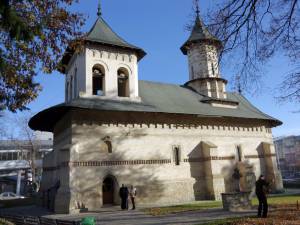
(238, 201)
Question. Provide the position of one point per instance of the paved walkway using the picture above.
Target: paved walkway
(115, 216)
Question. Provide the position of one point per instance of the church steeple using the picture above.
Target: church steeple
(200, 33)
(202, 49)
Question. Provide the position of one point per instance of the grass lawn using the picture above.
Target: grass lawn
(273, 201)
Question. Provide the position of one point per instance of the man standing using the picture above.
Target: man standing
(124, 197)
(132, 194)
(261, 190)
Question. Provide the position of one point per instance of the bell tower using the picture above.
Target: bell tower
(104, 67)
(202, 49)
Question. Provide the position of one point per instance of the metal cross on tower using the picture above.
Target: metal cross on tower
(99, 13)
(196, 5)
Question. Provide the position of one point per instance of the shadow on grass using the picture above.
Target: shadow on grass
(158, 211)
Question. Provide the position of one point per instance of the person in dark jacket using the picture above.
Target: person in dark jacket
(261, 190)
(124, 197)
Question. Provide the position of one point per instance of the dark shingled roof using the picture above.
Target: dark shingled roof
(102, 33)
(158, 98)
(199, 33)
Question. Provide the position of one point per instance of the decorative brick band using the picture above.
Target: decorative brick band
(204, 159)
(116, 163)
(53, 168)
(259, 156)
(108, 163)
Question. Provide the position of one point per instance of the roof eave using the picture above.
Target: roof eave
(185, 47)
(69, 53)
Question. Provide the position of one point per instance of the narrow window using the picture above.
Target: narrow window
(98, 80)
(109, 146)
(71, 88)
(239, 153)
(176, 155)
(67, 91)
(75, 83)
(123, 83)
(107, 141)
(213, 68)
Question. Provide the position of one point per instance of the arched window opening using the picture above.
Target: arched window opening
(98, 80)
(109, 146)
(177, 155)
(107, 141)
(213, 68)
(239, 153)
(123, 83)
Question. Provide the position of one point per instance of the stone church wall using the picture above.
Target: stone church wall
(143, 155)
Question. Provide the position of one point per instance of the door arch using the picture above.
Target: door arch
(108, 190)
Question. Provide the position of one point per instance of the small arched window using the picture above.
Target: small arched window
(239, 153)
(108, 145)
(123, 82)
(98, 80)
(176, 155)
(213, 68)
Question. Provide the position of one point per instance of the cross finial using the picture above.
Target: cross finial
(196, 3)
(99, 13)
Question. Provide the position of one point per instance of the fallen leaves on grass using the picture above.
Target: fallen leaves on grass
(281, 216)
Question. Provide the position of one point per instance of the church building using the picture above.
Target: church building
(174, 143)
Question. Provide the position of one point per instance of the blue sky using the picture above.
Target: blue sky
(158, 26)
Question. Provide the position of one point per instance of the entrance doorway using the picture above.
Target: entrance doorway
(108, 191)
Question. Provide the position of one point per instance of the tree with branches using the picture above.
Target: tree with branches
(254, 31)
(33, 34)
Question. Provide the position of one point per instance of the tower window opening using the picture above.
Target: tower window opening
(98, 80)
(123, 83)
(213, 68)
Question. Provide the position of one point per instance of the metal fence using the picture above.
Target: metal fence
(32, 220)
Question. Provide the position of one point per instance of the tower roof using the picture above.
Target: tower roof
(102, 33)
(200, 33)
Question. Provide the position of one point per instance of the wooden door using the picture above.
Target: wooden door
(108, 191)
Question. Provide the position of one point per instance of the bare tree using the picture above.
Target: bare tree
(16, 129)
(254, 31)
(33, 144)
